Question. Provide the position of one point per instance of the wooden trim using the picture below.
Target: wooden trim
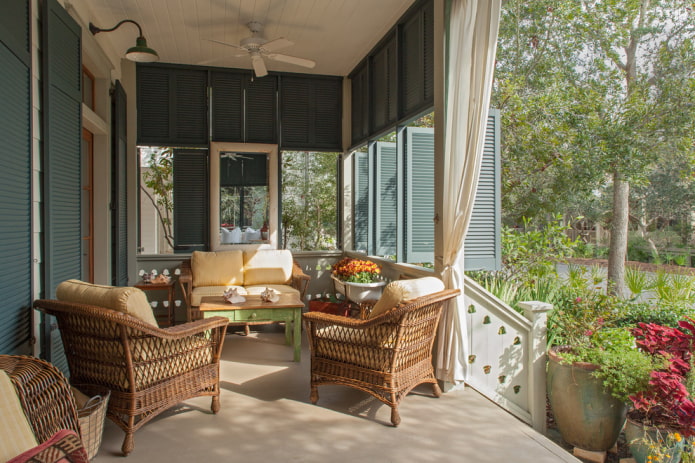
(88, 188)
(91, 87)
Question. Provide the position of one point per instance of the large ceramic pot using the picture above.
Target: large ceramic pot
(640, 439)
(587, 416)
(358, 292)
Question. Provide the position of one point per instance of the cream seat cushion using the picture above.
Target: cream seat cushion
(200, 292)
(282, 289)
(16, 436)
(222, 268)
(267, 267)
(129, 300)
(405, 290)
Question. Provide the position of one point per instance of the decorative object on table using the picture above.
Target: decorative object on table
(232, 296)
(358, 280)
(663, 415)
(270, 295)
(161, 279)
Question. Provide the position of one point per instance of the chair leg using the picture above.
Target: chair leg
(314, 396)
(395, 416)
(215, 407)
(128, 443)
(436, 390)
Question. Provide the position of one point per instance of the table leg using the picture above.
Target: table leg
(172, 314)
(297, 334)
(288, 331)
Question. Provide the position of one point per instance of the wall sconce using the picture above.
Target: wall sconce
(140, 52)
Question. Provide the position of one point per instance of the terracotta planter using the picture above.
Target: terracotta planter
(639, 436)
(358, 292)
(587, 415)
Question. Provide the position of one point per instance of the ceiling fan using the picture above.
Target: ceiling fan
(258, 47)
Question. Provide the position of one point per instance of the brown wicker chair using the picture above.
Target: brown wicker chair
(386, 356)
(147, 369)
(44, 394)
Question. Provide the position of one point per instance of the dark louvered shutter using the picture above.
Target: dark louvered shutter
(361, 228)
(154, 105)
(386, 208)
(385, 85)
(119, 188)
(417, 61)
(62, 140)
(190, 200)
(482, 249)
(15, 177)
(190, 116)
(310, 111)
(419, 175)
(227, 106)
(360, 103)
(261, 110)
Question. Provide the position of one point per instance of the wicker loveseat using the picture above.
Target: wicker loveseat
(147, 369)
(386, 354)
(249, 271)
(45, 426)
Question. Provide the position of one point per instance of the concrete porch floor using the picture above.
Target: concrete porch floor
(266, 416)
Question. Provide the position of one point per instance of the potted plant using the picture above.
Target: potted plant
(592, 370)
(663, 414)
(358, 280)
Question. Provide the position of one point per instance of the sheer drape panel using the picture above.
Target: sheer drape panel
(470, 55)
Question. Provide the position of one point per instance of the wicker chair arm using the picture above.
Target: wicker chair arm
(300, 280)
(186, 283)
(195, 327)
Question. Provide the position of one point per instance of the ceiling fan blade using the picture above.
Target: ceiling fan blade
(277, 44)
(307, 63)
(227, 44)
(258, 65)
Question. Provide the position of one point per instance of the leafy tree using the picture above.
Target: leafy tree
(157, 174)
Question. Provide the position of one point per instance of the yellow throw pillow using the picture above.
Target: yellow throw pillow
(224, 268)
(267, 267)
(17, 436)
(400, 291)
(124, 299)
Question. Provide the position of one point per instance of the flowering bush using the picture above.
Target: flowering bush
(667, 403)
(356, 271)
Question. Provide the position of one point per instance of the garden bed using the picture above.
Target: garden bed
(646, 267)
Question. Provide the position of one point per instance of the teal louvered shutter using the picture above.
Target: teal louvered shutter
(154, 105)
(417, 61)
(15, 178)
(386, 206)
(227, 106)
(62, 163)
(362, 218)
(384, 68)
(119, 188)
(419, 207)
(327, 111)
(482, 249)
(295, 112)
(261, 110)
(359, 81)
(190, 109)
(191, 200)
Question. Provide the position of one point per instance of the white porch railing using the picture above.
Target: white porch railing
(507, 353)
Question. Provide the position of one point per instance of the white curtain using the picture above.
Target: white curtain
(470, 52)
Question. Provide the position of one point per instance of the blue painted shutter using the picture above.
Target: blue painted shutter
(419, 198)
(482, 249)
(386, 207)
(417, 61)
(191, 200)
(359, 81)
(384, 69)
(119, 188)
(227, 106)
(15, 177)
(261, 110)
(62, 140)
(361, 227)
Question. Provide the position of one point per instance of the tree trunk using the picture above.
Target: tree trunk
(619, 227)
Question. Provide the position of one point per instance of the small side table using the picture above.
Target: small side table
(169, 288)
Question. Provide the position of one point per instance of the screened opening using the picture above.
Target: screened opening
(310, 200)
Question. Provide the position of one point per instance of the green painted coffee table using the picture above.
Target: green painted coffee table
(254, 311)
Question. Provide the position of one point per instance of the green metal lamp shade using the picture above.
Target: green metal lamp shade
(141, 52)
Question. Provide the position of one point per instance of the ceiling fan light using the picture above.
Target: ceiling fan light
(141, 53)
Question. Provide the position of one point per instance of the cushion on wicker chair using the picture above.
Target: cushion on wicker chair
(267, 267)
(217, 268)
(405, 290)
(124, 299)
(16, 436)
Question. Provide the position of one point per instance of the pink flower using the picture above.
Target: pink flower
(578, 300)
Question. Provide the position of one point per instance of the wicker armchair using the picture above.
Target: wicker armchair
(386, 356)
(44, 394)
(147, 369)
